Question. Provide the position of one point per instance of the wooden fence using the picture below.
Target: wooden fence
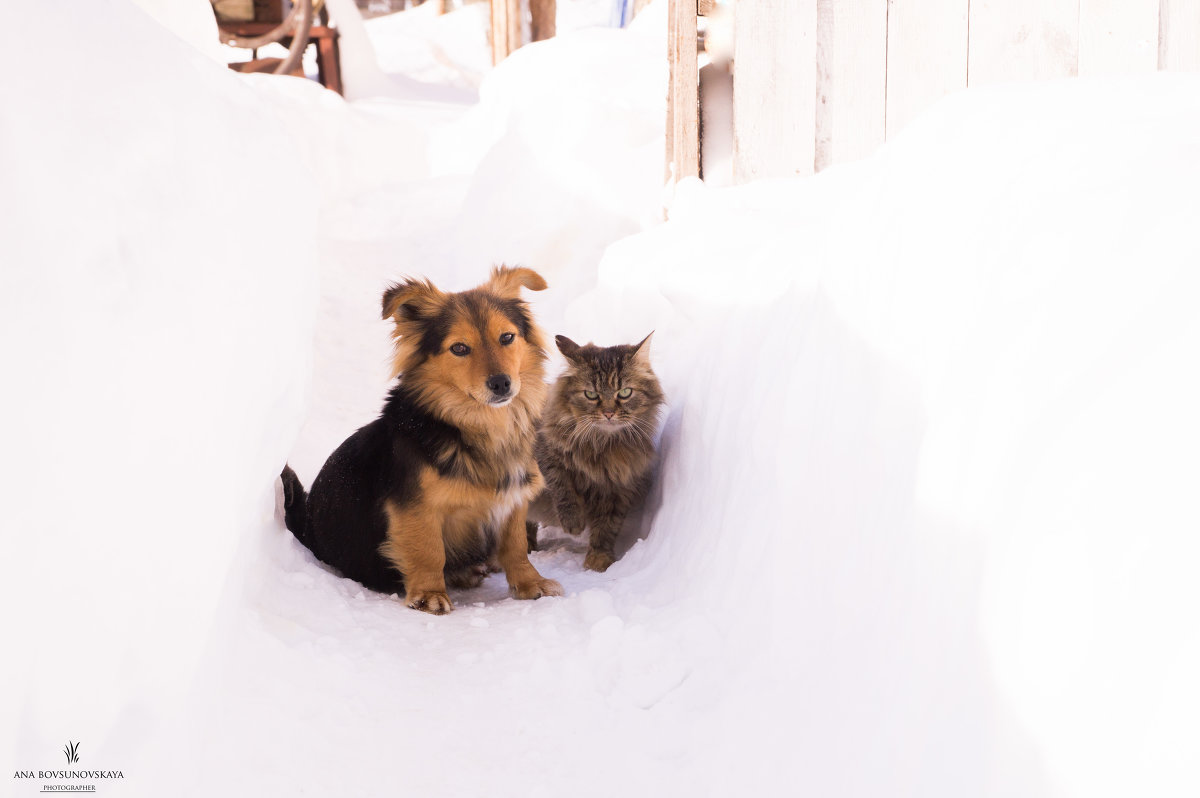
(818, 82)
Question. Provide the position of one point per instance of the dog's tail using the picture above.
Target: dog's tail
(295, 504)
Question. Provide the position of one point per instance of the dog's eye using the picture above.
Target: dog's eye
(507, 338)
(591, 395)
(624, 393)
(460, 349)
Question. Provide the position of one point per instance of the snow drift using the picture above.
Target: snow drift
(942, 395)
(157, 305)
(924, 523)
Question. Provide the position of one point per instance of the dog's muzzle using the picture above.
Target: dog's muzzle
(500, 386)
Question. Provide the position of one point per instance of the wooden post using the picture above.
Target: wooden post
(1178, 44)
(683, 98)
(1118, 37)
(506, 28)
(513, 9)
(774, 88)
(329, 63)
(542, 19)
(851, 79)
(499, 31)
(1022, 40)
(926, 56)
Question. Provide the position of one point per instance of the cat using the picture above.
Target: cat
(595, 444)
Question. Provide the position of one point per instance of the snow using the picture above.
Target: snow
(925, 521)
(448, 49)
(194, 23)
(155, 314)
(982, 361)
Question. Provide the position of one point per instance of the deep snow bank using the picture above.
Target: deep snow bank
(157, 305)
(936, 425)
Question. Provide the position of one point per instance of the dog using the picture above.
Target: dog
(437, 487)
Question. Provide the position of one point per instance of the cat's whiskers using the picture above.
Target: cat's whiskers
(583, 427)
(640, 427)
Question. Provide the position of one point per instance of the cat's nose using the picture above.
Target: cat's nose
(499, 384)
(608, 414)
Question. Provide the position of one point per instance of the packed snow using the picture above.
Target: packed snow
(925, 521)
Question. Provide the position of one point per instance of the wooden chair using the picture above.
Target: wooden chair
(296, 31)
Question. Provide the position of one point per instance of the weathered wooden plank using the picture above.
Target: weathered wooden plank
(683, 98)
(1179, 35)
(774, 96)
(506, 28)
(514, 25)
(851, 79)
(543, 19)
(1117, 37)
(499, 31)
(926, 56)
(1022, 40)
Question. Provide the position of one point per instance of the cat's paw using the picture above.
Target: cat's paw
(431, 601)
(574, 531)
(597, 560)
(468, 577)
(537, 588)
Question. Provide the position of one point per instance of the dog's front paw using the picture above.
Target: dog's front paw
(432, 601)
(598, 560)
(537, 589)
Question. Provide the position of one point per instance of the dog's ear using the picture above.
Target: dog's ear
(507, 281)
(568, 347)
(411, 300)
(641, 352)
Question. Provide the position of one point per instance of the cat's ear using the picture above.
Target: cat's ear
(641, 352)
(568, 347)
(507, 281)
(411, 300)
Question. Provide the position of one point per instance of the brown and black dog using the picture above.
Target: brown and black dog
(438, 485)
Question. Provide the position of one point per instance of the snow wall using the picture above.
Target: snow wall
(158, 300)
(935, 442)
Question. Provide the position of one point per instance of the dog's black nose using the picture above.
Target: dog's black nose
(499, 384)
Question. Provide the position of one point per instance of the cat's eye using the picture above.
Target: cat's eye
(507, 338)
(460, 349)
(591, 395)
(624, 393)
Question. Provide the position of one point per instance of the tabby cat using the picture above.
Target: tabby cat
(595, 444)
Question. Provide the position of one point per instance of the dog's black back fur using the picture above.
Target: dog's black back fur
(343, 522)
